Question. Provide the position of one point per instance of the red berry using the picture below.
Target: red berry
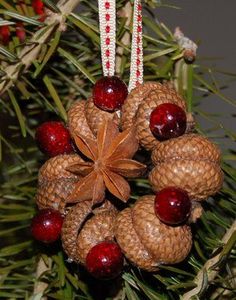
(38, 7)
(4, 34)
(105, 260)
(172, 205)
(168, 121)
(53, 138)
(46, 225)
(20, 31)
(109, 93)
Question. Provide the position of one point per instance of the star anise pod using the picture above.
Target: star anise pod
(109, 162)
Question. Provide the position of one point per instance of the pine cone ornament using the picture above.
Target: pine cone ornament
(80, 233)
(190, 162)
(146, 241)
(142, 101)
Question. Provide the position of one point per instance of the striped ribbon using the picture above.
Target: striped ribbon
(107, 25)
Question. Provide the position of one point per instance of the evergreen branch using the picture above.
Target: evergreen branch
(40, 286)
(31, 51)
(210, 269)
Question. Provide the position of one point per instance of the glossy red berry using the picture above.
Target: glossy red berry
(53, 138)
(105, 260)
(172, 205)
(4, 34)
(20, 31)
(109, 93)
(38, 7)
(46, 225)
(168, 121)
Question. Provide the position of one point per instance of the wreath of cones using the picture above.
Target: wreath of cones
(77, 185)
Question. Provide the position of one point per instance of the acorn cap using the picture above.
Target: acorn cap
(53, 194)
(190, 162)
(72, 225)
(130, 243)
(154, 99)
(77, 121)
(95, 116)
(55, 168)
(148, 242)
(96, 230)
(187, 146)
(200, 179)
(83, 228)
(132, 102)
(166, 244)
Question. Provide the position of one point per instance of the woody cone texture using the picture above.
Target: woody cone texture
(95, 116)
(190, 162)
(147, 242)
(141, 102)
(77, 121)
(56, 183)
(81, 233)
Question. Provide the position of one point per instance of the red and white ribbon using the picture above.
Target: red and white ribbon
(136, 60)
(107, 24)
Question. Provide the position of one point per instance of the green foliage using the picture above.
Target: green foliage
(65, 69)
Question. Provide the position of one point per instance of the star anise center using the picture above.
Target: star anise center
(110, 160)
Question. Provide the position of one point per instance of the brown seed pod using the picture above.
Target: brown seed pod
(56, 168)
(77, 121)
(142, 101)
(80, 233)
(190, 162)
(146, 241)
(95, 116)
(53, 194)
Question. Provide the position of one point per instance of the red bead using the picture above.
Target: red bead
(5, 34)
(107, 53)
(108, 29)
(109, 93)
(172, 205)
(53, 138)
(107, 5)
(168, 121)
(107, 17)
(138, 40)
(105, 260)
(139, 28)
(138, 51)
(138, 73)
(46, 226)
(108, 41)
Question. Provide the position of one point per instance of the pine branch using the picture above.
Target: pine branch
(31, 51)
(40, 286)
(210, 270)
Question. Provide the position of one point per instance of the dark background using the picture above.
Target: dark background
(212, 24)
